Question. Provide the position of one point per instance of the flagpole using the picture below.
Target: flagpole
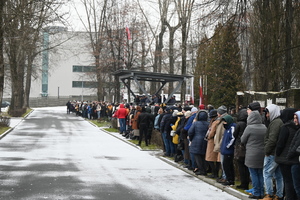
(192, 90)
(201, 91)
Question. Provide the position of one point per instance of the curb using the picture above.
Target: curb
(210, 181)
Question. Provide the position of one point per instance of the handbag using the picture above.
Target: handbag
(173, 133)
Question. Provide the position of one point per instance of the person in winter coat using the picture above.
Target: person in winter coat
(219, 131)
(151, 124)
(109, 111)
(121, 114)
(286, 135)
(184, 136)
(198, 144)
(293, 156)
(212, 157)
(186, 128)
(156, 123)
(240, 150)
(271, 169)
(253, 139)
(178, 142)
(165, 130)
(227, 149)
(136, 131)
(143, 123)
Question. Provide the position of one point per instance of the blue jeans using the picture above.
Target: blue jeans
(193, 161)
(122, 123)
(271, 170)
(257, 181)
(296, 178)
(98, 114)
(169, 145)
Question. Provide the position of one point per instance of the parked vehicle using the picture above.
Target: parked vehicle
(5, 104)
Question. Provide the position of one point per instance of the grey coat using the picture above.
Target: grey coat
(253, 139)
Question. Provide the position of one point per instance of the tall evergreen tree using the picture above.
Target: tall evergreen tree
(224, 69)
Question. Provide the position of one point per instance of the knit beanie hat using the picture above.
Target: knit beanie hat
(254, 106)
(222, 109)
(213, 113)
(194, 109)
(187, 113)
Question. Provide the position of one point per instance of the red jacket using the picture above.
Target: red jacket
(122, 112)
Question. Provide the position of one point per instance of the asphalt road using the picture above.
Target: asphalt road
(53, 155)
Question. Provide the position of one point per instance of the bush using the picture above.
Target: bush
(157, 139)
(114, 123)
(4, 121)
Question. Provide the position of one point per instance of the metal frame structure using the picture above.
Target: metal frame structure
(138, 76)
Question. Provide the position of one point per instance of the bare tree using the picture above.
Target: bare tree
(163, 7)
(185, 9)
(23, 22)
(2, 4)
(96, 15)
(172, 30)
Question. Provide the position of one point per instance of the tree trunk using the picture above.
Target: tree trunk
(28, 82)
(183, 57)
(1, 51)
(17, 85)
(288, 44)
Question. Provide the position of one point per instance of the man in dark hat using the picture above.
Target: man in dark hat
(253, 106)
(256, 106)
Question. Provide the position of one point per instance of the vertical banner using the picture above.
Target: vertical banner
(128, 33)
(201, 91)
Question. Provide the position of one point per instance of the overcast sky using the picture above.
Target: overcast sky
(74, 10)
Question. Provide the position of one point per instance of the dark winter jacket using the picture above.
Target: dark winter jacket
(286, 135)
(292, 154)
(271, 136)
(227, 145)
(165, 125)
(197, 134)
(143, 119)
(239, 149)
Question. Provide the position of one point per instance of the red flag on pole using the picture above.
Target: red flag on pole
(201, 91)
(128, 33)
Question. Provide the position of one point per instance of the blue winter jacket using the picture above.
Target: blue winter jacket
(227, 146)
(197, 134)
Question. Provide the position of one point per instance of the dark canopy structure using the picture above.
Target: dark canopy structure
(162, 78)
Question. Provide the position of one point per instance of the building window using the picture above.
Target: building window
(79, 68)
(77, 84)
(89, 68)
(84, 84)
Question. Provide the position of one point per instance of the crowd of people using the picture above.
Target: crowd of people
(261, 144)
